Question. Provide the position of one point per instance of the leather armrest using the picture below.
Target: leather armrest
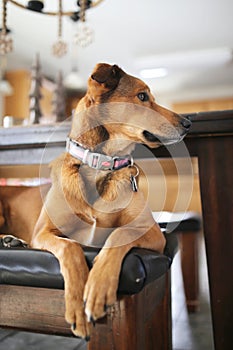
(189, 221)
(36, 268)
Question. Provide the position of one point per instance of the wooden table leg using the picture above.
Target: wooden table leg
(216, 169)
(190, 268)
(141, 321)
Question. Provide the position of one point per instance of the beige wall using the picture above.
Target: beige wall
(171, 185)
(167, 184)
(203, 105)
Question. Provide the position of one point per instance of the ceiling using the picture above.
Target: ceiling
(193, 40)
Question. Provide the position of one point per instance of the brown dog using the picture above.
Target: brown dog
(94, 198)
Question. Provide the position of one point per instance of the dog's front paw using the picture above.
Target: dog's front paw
(10, 241)
(76, 317)
(100, 292)
(75, 275)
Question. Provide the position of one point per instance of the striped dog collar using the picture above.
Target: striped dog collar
(94, 160)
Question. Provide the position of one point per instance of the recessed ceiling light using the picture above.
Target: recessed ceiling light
(175, 61)
(153, 73)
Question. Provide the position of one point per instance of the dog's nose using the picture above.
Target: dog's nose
(186, 123)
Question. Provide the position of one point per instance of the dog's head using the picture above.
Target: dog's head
(137, 116)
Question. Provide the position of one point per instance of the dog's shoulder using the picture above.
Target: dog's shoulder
(57, 166)
(57, 162)
(64, 167)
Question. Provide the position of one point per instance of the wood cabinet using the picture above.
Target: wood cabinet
(203, 105)
(17, 104)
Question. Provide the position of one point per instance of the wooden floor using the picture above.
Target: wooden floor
(190, 332)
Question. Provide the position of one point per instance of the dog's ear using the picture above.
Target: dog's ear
(106, 76)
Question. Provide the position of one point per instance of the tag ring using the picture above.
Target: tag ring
(134, 166)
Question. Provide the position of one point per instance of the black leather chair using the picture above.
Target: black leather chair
(187, 226)
(32, 296)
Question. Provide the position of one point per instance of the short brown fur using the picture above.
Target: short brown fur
(95, 207)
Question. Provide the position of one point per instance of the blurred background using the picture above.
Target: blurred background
(182, 49)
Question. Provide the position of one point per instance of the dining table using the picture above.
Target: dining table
(211, 140)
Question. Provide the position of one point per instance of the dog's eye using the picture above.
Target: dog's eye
(143, 96)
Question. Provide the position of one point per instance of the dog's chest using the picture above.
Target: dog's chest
(99, 201)
(105, 189)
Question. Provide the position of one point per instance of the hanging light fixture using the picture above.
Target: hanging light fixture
(85, 34)
(6, 43)
(60, 47)
(83, 37)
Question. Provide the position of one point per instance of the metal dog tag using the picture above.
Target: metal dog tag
(133, 183)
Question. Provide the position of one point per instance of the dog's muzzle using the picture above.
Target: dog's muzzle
(168, 133)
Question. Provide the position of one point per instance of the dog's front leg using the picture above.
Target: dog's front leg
(73, 268)
(101, 287)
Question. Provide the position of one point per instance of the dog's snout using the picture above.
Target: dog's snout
(186, 123)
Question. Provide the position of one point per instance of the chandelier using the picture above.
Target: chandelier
(83, 36)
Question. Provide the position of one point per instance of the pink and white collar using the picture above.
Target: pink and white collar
(94, 160)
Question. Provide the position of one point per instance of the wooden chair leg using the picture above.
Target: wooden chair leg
(141, 321)
(189, 265)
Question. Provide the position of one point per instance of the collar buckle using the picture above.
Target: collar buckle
(100, 161)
